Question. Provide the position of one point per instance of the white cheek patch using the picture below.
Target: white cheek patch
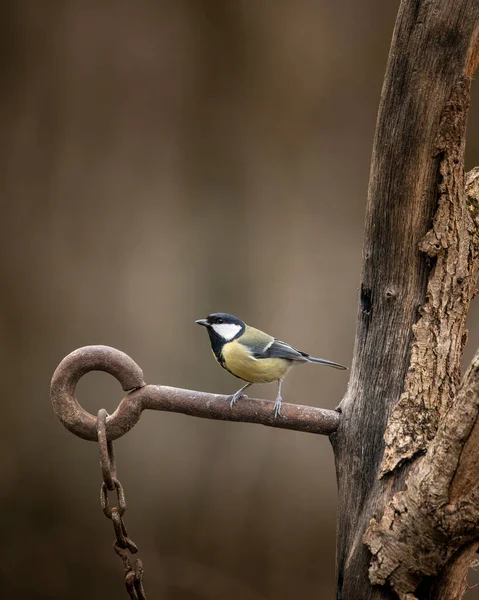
(226, 330)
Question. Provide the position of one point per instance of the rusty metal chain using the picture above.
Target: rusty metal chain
(123, 545)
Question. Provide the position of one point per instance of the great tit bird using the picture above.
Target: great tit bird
(252, 355)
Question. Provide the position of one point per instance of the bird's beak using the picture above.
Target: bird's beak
(203, 322)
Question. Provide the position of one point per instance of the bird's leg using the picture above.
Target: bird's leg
(239, 394)
(277, 404)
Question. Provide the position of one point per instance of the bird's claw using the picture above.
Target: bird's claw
(277, 407)
(236, 397)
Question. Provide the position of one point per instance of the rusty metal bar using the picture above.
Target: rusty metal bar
(157, 397)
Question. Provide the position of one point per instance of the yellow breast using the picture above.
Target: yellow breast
(241, 363)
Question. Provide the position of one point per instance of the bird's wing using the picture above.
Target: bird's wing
(255, 341)
(261, 345)
(279, 349)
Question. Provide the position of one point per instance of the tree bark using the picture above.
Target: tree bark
(404, 402)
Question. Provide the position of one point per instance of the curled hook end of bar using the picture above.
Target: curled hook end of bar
(72, 368)
(101, 358)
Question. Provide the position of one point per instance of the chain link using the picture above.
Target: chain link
(123, 545)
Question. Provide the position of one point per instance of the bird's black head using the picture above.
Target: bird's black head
(222, 328)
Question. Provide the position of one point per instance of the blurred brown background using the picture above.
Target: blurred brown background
(160, 161)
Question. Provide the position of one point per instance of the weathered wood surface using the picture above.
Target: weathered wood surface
(419, 275)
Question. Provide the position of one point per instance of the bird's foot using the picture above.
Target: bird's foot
(277, 407)
(234, 399)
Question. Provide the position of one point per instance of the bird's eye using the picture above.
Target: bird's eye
(219, 320)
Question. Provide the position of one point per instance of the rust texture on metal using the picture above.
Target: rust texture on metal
(157, 397)
(123, 545)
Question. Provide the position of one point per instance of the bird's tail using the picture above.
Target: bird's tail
(323, 361)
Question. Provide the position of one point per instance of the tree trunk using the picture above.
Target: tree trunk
(419, 274)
